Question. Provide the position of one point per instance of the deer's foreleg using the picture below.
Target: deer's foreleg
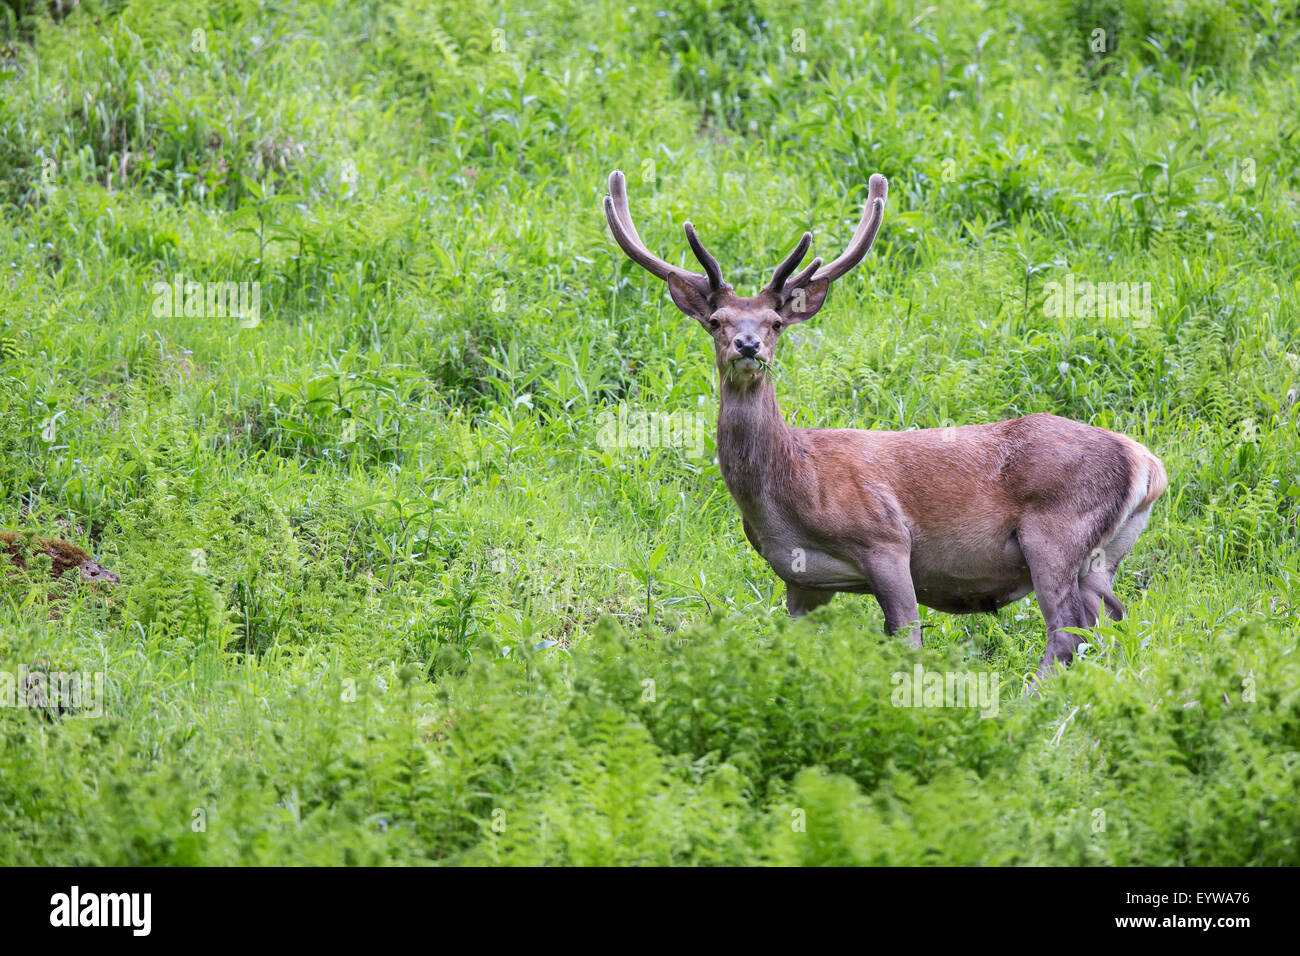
(888, 571)
(799, 601)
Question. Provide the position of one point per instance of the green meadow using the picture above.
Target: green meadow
(424, 554)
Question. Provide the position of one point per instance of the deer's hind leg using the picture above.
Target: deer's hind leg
(1097, 576)
(1096, 580)
(1095, 589)
(1054, 566)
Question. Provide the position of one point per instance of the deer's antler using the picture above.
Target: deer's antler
(859, 245)
(619, 217)
(790, 263)
(864, 235)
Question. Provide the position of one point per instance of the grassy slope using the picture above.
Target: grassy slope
(391, 647)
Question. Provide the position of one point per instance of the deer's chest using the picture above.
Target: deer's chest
(798, 558)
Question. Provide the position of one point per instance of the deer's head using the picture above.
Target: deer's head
(745, 329)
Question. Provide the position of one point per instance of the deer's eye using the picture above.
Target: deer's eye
(776, 326)
(714, 324)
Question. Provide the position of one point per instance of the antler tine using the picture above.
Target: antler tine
(619, 217)
(805, 277)
(711, 267)
(865, 234)
(790, 263)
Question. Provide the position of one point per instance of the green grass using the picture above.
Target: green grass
(388, 597)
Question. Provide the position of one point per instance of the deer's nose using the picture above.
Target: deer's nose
(747, 344)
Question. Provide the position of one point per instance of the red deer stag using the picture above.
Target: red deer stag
(962, 520)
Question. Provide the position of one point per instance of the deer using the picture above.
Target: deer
(961, 519)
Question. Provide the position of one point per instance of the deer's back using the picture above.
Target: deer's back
(984, 476)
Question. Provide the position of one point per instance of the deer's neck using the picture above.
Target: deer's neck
(755, 445)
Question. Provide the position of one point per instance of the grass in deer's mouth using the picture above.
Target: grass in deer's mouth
(758, 366)
(369, 544)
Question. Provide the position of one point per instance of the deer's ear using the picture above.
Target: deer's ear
(689, 299)
(804, 302)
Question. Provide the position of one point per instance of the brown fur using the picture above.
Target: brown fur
(959, 519)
